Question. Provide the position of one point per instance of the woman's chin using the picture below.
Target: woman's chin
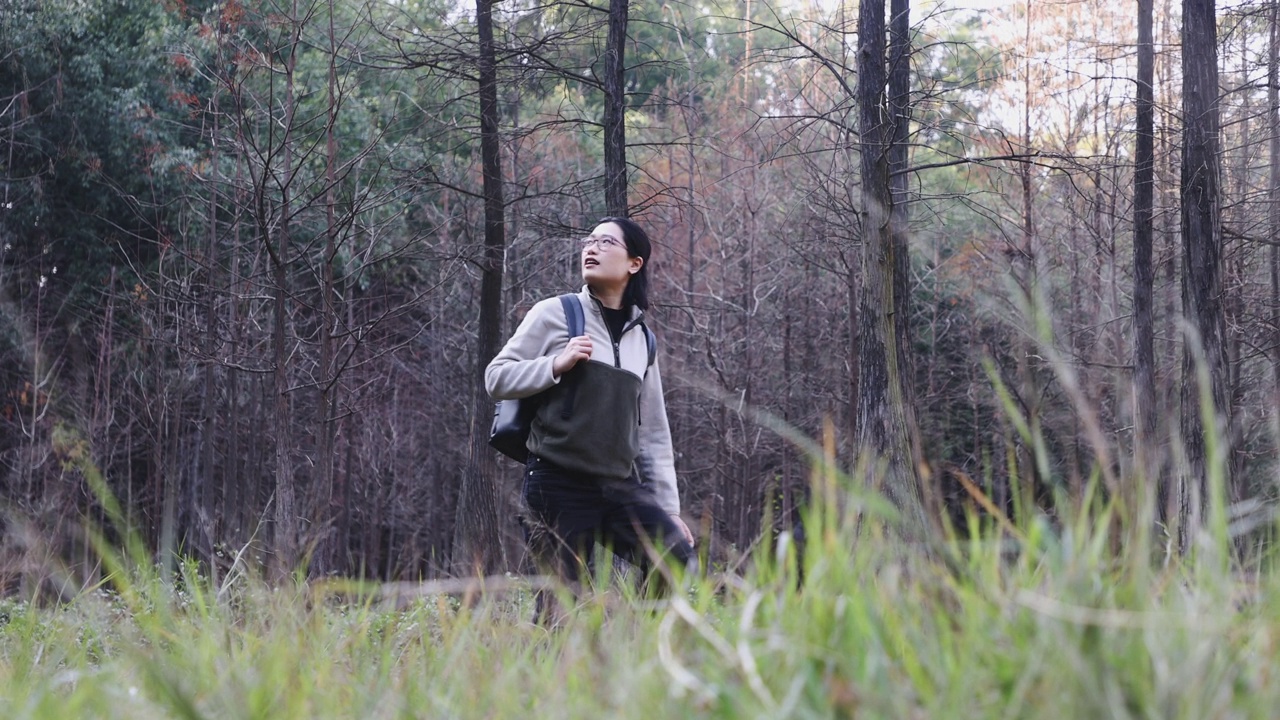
(601, 280)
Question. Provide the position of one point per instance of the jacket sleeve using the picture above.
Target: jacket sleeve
(523, 366)
(657, 461)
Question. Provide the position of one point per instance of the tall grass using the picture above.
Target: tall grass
(1080, 616)
(1056, 624)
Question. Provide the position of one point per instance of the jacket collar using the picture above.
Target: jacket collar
(594, 303)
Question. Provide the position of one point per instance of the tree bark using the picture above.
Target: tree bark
(285, 516)
(899, 216)
(326, 383)
(884, 436)
(1025, 267)
(1201, 251)
(477, 545)
(1273, 118)
(206, 513)
(1144, 389)
(236, 498)
(615, 111)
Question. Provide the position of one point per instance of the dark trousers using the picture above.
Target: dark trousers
(571, 512)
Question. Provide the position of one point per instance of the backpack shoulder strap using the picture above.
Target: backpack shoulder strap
(652, 341)
(577, 323)
(573, 314)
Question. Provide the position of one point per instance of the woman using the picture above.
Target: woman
(601, 467)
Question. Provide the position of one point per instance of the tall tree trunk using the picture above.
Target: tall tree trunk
(326, 387)
(852, 262)
(166, 478)
(884, 436)
(900, 112)
(208, 532)
(235, 498)
(1235, 270)
(1026, 272)
(854, 297)
(615, 111)
(899, 217)
(477, 544)
(1273, 119)
(1201, 250)
(285, 535)
(1144, 387)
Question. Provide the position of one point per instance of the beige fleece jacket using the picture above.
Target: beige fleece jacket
(523, 368)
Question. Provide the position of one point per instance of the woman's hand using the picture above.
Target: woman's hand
(684, 529)
(576, 351)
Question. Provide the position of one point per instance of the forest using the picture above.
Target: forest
(255, 254)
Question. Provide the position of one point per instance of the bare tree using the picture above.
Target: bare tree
(286, 529)
(1273, 122)
(1201, 256)
(899, 99)
(477, 540)
(1144, 389)
(326, 382)
(615, 111)
(885, 436)
(206, 483)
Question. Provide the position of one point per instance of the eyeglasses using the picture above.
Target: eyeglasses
(604, 242)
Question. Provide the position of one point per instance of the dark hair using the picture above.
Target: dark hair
(638, 245)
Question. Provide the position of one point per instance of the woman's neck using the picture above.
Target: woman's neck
(609, 297)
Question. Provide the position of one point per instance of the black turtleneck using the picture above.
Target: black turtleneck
(616, 320)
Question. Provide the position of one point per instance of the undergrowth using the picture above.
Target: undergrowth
(1042, 618)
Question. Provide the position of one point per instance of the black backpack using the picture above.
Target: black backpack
(512, 418)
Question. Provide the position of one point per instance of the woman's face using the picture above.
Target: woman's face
(605, 261)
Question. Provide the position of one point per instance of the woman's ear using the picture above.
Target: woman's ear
(636, 264)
